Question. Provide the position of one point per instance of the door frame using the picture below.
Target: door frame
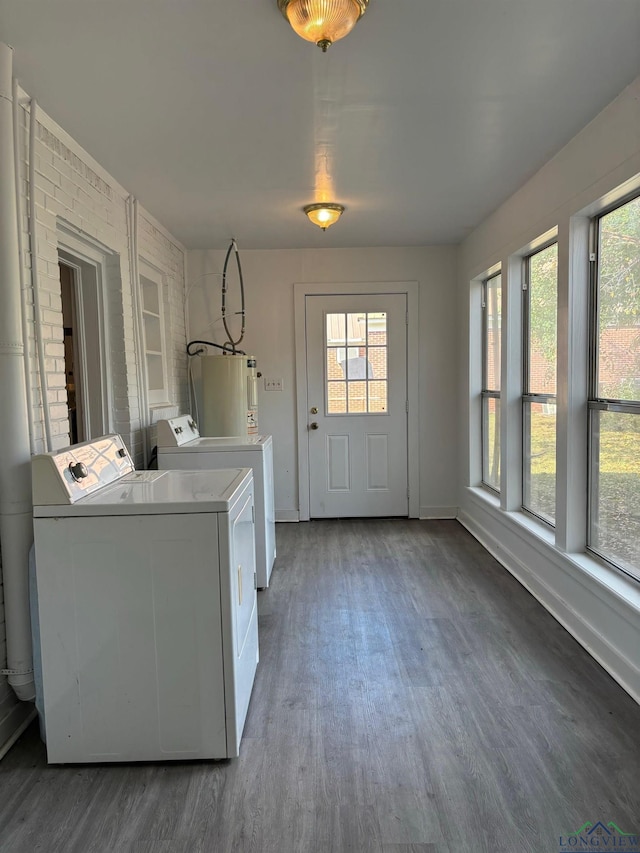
(89, 259)
(300, 292)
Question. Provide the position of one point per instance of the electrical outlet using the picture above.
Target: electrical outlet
(272, 384)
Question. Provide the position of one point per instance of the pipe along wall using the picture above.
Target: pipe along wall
(16, 525)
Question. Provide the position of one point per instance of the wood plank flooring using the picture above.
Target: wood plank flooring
(411, 697)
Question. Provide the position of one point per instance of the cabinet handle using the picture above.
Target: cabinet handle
(240, 585)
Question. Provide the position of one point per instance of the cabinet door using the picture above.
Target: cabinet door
(240, 613)
(244, 566)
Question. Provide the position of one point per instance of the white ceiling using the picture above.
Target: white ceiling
(421, 122)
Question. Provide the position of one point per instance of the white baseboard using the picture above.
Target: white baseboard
(592, 638)
(435, 512)
(287, 515)
(426, 512)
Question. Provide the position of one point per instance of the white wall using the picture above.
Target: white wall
(269, 278)
(73, 190)
(599, 605)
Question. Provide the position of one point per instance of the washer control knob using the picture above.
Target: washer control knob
(78, 470)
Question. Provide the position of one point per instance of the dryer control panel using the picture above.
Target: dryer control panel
(67, 475)
(175, 432)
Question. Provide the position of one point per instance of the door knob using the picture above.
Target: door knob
(314, 410)
(314, 425)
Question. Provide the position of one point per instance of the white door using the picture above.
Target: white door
(357, 394)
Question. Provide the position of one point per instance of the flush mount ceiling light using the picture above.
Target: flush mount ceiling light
(323, 21)
(324, 214)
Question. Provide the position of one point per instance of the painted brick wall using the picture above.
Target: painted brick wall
(72, 190)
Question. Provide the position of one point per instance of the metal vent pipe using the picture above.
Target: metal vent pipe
(16, 525)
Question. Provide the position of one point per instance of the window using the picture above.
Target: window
(356, 351)
(153, 330)
(539, 383)
(614, 400)
(491, 349)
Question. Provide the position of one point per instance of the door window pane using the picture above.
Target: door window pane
(377, 362)
(337, 398)
(357, 397)
(335, 365)
(356, 351)
(377, 329)
(356, 328)
(336, 333)
(377, 396)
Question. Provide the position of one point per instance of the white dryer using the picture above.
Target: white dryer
(147, 606)
(181, 446)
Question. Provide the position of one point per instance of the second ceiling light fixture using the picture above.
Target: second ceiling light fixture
(323, 21)
(324, 214)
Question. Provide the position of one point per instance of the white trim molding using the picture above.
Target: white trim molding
(285, 515)
(85, 254)
(438, 512)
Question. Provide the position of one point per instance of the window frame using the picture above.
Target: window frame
(347, 380)
(485, 392)
(595, 402)
(529, 397)
(160, 396)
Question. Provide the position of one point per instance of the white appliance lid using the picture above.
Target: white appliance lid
(159, 493)
(229, 443)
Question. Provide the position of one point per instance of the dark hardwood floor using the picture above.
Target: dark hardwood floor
(411, 696)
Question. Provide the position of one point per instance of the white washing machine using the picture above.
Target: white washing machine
(181, 446)
(147, 606)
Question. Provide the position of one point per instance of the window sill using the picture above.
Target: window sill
(162, 411)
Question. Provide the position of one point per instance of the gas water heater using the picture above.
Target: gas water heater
(229, 395)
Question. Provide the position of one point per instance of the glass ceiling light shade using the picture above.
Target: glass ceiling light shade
(324, 214)
(323, 21)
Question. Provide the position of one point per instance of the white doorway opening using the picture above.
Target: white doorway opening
(86, 366)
